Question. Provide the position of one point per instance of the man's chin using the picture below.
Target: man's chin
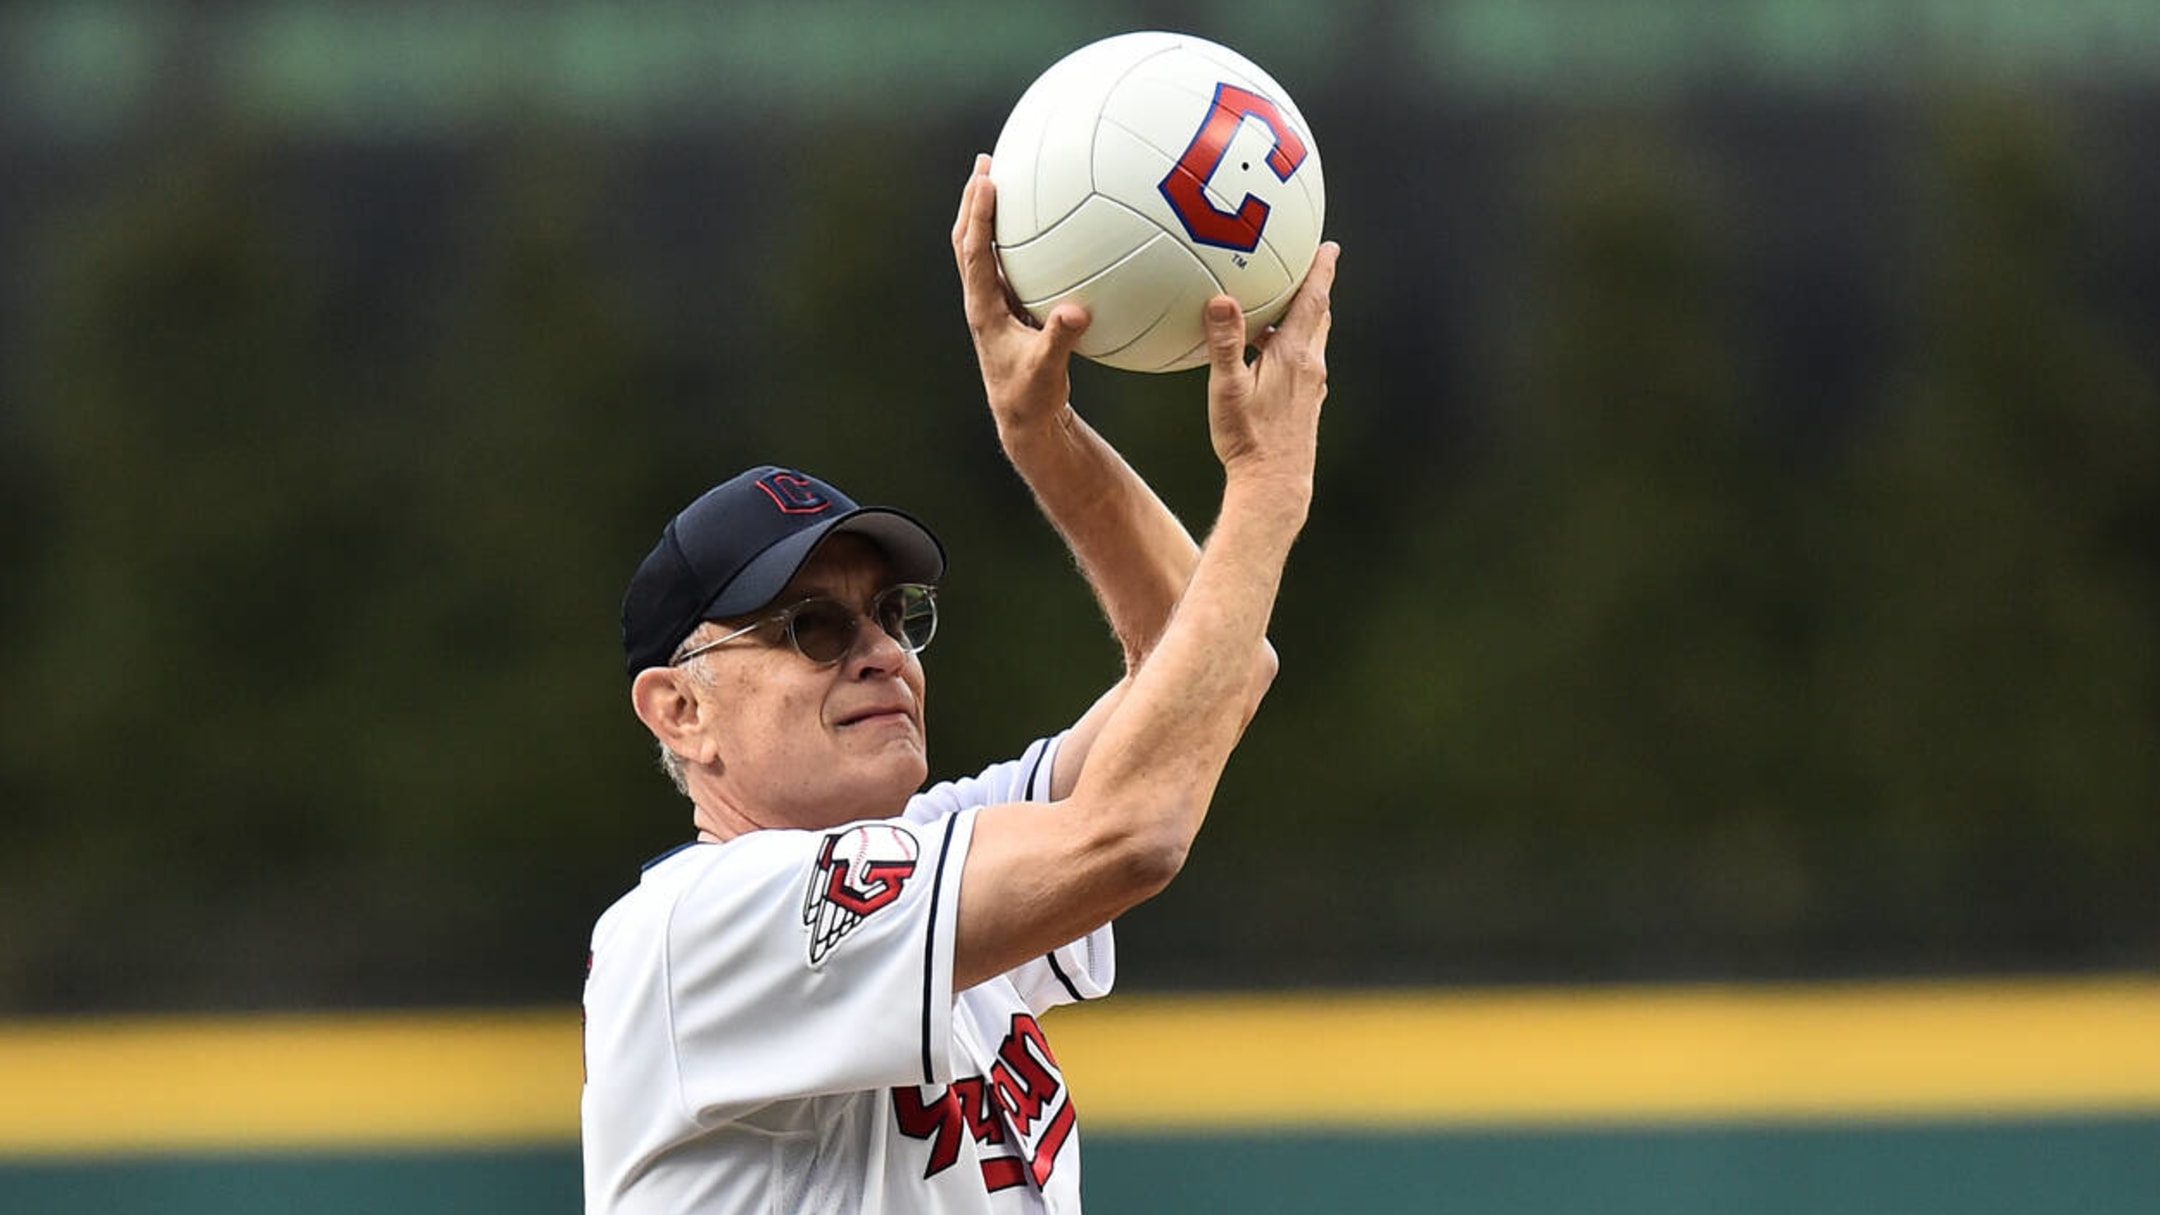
(912, 772)
(896, 775)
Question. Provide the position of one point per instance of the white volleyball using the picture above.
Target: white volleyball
(1146, 173)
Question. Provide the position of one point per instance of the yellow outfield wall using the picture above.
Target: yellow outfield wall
(1398, 1059)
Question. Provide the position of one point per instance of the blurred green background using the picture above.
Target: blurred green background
(1737, 552)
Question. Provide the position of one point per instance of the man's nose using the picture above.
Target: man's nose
(874, 649)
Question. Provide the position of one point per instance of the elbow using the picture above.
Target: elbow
(1142, 862)
(1265, 665)
(1156, 862)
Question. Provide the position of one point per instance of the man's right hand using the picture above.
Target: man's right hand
(1024, 364)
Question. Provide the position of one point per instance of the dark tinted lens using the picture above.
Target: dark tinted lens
(909, 613)
(824, 630)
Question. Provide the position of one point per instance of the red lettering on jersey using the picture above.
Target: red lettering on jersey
(1185, 187)
(973, 1097)
(964, 1103)
(1003, 1173)
(1024, 1082)
(1054, 1136)
(937, 1121)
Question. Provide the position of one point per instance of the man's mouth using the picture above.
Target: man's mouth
(879, 713)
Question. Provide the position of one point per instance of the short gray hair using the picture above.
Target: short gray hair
(671, 764)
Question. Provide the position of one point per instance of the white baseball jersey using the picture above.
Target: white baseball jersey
(770, 1026)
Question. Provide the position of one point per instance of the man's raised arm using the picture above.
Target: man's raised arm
(1135, 554)
(1039, 876)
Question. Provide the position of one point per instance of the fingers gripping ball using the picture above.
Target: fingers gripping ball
(1142, 175)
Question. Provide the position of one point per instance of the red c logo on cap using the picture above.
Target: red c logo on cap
(793, 493)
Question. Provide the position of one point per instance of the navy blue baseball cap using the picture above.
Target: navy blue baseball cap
(733, 551)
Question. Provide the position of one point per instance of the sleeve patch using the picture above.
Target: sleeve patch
(859, 872)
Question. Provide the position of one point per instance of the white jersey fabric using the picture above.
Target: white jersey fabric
(770, 1026)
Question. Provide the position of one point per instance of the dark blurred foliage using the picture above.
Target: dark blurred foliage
(1737, 552)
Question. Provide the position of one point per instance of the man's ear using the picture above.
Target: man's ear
(663, 700)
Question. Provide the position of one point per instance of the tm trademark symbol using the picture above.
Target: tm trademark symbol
(1239, 258)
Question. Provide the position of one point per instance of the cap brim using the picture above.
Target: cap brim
(915, 554)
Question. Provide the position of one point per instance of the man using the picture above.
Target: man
(828, 1002)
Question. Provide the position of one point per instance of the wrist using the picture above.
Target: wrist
(1281, 477)
(1036, 430)
(1269, 490)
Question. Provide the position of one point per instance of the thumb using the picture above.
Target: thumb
(1062, 329)
(1225, 334)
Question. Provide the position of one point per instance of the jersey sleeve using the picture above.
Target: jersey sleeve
(1026, 779)
(1082, 970)
(803, 963)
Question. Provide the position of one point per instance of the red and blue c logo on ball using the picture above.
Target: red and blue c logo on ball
(1186, 185)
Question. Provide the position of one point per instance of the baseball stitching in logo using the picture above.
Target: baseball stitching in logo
(859, 871)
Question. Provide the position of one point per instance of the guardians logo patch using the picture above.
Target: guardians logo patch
(859, 871)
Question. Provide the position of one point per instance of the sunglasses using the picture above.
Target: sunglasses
(824, 629)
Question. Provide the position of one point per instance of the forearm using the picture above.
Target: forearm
(1162, 751)
(1135, 555)
(1040, 875)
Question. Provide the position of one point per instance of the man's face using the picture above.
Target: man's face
(803, 745)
